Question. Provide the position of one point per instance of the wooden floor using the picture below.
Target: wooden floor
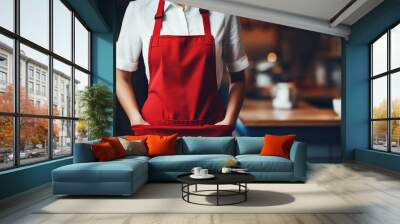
(377, 188)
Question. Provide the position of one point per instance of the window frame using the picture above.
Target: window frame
(16, 115)
(388, 74)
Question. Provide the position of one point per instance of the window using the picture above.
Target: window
(81, 45)
(35, 21)
(3, 77)
(38, 74)
(7, 14)
(7, 73)
(3, 72)
(34, 128)
(37, 89)
(44, 91)
(385, 94)
(30, 72)
(3, 61)
(30, 88)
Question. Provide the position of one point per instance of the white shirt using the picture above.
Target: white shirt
(138, 24)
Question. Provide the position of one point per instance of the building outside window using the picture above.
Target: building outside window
(3, 72)
(44, 77)
(57, 129)
(30, 72)
(30, 87)
(385, 94)
(37, 74)
(3, 79)
(43, 90)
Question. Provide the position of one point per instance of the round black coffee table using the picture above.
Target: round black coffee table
(238, 179)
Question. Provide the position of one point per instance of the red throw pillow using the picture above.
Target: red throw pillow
(103, 151)
(116, 145)
(161, 145)
(135, 137)
(277, 145)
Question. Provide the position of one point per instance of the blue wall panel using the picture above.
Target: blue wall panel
(356, 93)
(24, 178)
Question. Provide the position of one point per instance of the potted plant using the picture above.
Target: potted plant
(96, 104)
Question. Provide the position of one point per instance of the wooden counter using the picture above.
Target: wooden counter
(259, 113)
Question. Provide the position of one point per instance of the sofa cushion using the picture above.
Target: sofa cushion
(185, 163)
(116, 146)
(83, 152)
(257, 163)
(208, 145)
(277, 145)
(159, 145)
(111, 171)
(249, 145)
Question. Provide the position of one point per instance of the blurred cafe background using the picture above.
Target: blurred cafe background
(293, 86)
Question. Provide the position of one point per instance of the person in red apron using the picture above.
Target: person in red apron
(183, 94)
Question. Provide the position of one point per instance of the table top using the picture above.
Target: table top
(260, 113)
(220, 178)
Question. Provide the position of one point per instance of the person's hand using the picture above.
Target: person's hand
(138, 120)
(225, 122)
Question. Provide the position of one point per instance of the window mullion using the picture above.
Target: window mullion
(50, 81)
(73, 81)
(16, 84)
(389, 101)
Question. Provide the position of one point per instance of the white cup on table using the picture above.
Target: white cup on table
(203, 172)
(196, 171)
(226, 170)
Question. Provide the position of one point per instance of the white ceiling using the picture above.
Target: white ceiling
(314, 15)
(321, 9)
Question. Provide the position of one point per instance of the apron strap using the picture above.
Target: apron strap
(158, 22)
(205, 15)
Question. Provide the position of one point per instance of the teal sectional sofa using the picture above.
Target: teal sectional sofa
(125, 176)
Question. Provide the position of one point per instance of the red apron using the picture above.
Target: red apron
(183, 93)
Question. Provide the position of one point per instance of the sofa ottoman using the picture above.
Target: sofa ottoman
(119, 177)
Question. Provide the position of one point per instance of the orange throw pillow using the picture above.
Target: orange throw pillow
(161, 145)
(116, 145)
(103, 151)
(277, 145)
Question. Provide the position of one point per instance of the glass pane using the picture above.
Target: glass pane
(62, 29)
(62, 89)
(6, 142)
(379, 97)
(35, 21)
(6, 74)
(81, 81)
(379, 55)
(379, 135)
(33, 140)
(81, 45)
(34, 97)
(62, 138)
(395, 132)
(81, 131)
(395, 94)
(7, 14)
(395, 47)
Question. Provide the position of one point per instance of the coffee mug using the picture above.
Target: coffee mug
(196, 171)
(203, 172)
(226, 170)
